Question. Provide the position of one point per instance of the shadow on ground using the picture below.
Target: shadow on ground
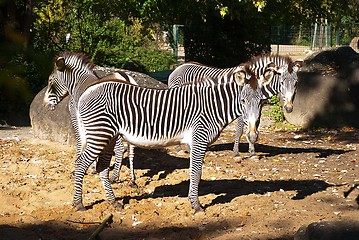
(61, 231)
(270, 151)
(228, 189)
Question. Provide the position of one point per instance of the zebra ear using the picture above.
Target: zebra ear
(60, 64)
(297, 64)
(240, 77)
(269, 74)
(271, 70)
(267, 77)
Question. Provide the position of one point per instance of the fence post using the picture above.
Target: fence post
(314, 34)
(337, 38)
(175, 38)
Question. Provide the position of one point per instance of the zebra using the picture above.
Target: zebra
(111, 110)
(183, 74)
(83, 69)
(284, 83)
(251, 113)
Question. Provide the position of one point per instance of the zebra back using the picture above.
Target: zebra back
(142, 118)
(193, 73)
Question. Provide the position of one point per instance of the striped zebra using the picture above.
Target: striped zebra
(185, 74)
(284, 84)
(81, 67)
(111, 110)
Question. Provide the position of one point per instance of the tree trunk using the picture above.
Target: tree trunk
(27, 22)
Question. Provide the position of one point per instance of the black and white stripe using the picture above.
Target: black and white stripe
(194, 115)
(79, 66)
(252, 96)
(284, 83)
(193, 71)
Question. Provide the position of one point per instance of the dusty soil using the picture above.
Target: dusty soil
(299, 178)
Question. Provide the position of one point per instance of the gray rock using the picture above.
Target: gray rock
(327, 90)
(56, 125)
(51, 125)
(329, 230)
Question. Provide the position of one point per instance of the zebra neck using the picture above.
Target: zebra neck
(80, 86)
(271, 89)
(225, 99)
(268, 91)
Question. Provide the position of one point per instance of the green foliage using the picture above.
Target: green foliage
(108, 39)
(219, 33)
(18, 84)
(276, 111)
(123, 43)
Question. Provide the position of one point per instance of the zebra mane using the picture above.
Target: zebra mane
(109, 79)
(204, 65)
(258, 63)
(253, 82)
(83, 58)
(277, 59)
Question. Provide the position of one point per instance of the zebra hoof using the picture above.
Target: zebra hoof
(78, 207)
(117, 205)
(238, 159)
(113, 180)
(198, 210)
(133, 185)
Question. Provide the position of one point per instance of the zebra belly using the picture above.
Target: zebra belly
(184, 137)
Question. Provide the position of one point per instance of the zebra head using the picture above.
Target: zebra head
(252, 99)
(288, 82)
(56, 90)
(70, 71)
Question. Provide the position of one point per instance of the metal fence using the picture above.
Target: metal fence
(296, 40)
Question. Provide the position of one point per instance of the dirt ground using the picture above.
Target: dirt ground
(298, 178)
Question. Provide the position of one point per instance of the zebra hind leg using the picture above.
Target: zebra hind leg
(131, 157)
(119, 150)
(196, 160)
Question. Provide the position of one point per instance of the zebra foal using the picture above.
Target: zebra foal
(110, 110)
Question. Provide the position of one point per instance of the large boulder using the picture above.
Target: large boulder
(328, 230)
(328, 90)
(55, 125)
(51, 125)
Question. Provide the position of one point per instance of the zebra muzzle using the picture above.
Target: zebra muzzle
(252, 133)
(288, 106)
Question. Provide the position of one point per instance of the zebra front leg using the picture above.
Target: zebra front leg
(195, 172)
(119, 150)
(103, 166)
(239, 132)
